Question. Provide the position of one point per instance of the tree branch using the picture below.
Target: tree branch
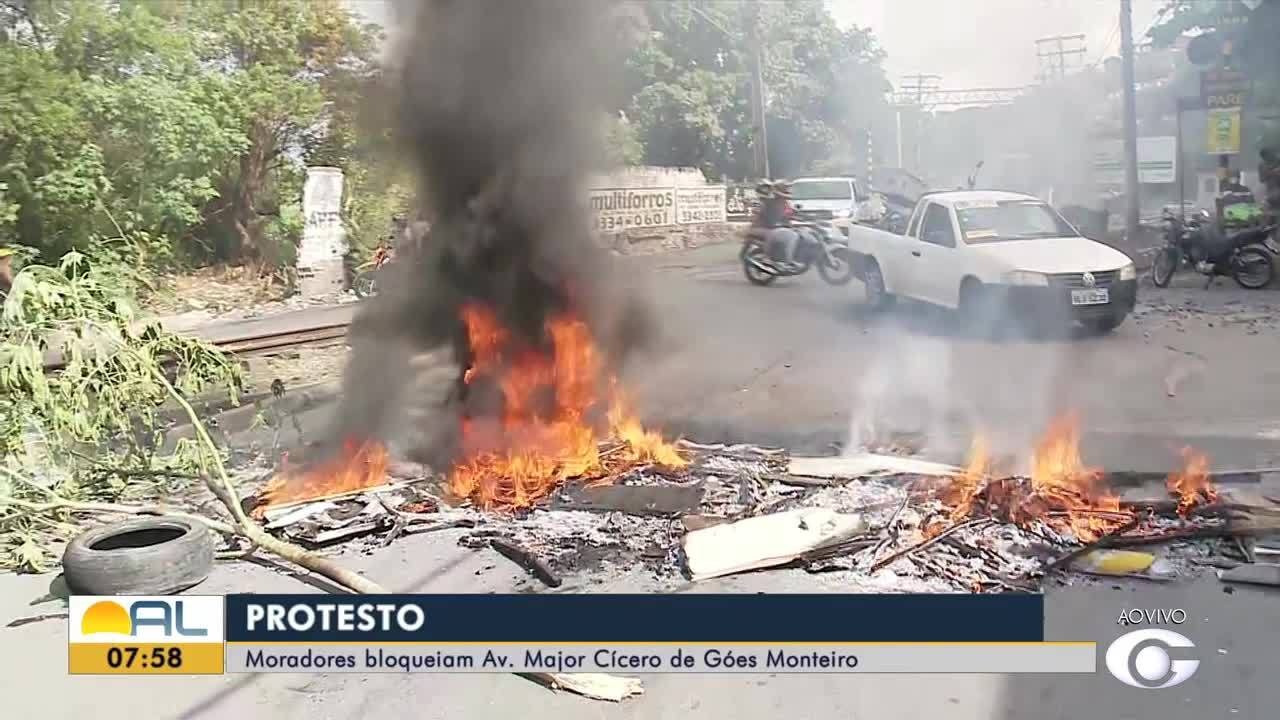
(115, 508)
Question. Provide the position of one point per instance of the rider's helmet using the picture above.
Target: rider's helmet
(764, 189)
(782, 188)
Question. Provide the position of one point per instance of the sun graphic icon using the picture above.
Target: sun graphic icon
(106, 616)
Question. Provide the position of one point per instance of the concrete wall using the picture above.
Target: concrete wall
(649, 176)
(666, 238)
(323, 247)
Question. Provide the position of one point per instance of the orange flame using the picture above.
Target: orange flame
(963, 491)
(1059, 474)
(1062, 491)
(1191, 484)
(546, 431)
(357, 466)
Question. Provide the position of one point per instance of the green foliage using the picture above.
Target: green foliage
(183, 122)
(623, 142)
(1254, 43)
(371, 202)
(689, 77)
(91, 429)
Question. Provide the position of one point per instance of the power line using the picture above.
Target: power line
(1159, 17)
(1106, 44)
(921, 84)
(932, 97)
(1053, 63)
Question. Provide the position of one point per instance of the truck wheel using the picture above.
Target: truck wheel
(877, 297)
(976, 309)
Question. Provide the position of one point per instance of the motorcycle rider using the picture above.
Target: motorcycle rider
(1236, 202)
(773, 220)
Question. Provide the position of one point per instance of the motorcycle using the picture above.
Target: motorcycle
(893, 221)
(1245, 255)
(818, 244)
(365, 282)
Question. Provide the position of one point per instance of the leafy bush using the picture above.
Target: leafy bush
(92, 430)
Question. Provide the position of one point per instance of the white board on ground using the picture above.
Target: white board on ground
(765, 541)
(866, 465)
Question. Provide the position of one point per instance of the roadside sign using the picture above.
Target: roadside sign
(1157, 160)
(1224, 132)
(697, 205)
(1222, 88)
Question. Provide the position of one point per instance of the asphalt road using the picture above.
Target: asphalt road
(804, 365)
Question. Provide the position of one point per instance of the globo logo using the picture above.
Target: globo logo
(1151, 659)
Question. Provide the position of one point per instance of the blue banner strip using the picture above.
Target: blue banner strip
(635, 618)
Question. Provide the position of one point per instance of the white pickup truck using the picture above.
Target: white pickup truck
(996, 255)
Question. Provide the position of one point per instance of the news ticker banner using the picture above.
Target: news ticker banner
(567, 633)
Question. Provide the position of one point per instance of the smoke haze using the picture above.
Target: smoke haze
(499, 105)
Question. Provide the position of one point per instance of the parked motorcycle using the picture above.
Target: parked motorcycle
(365, 282)
(1246, 255)
(818, 244)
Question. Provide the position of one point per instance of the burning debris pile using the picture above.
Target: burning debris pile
(509, 277)
(545, 419)
(527, 445)
(575, 497)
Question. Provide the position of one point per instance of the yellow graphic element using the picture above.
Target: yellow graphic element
(1224, 132)
(145, 658)
(105, 616)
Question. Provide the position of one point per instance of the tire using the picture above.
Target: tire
(843, 270)
(145, 556)
(976, 310)
(1164, 266)
(365, 284)
(1252, 268)
(752, 253)
(877, 297)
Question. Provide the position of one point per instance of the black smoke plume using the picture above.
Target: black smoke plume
(500, 109)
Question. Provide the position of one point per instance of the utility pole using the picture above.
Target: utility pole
(920, 85)
(1130, 121)
(897, 121)
(760, 136)
(1053, 62)
(755, 50)
(870, 161)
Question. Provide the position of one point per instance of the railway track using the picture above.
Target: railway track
(263, 335)
(274, 341)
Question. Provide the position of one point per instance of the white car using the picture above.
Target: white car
(837, 200)
(996, 255)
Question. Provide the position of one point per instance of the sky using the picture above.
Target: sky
(970, 43)
(986, 43)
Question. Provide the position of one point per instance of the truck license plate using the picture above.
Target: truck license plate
(1090, 297)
